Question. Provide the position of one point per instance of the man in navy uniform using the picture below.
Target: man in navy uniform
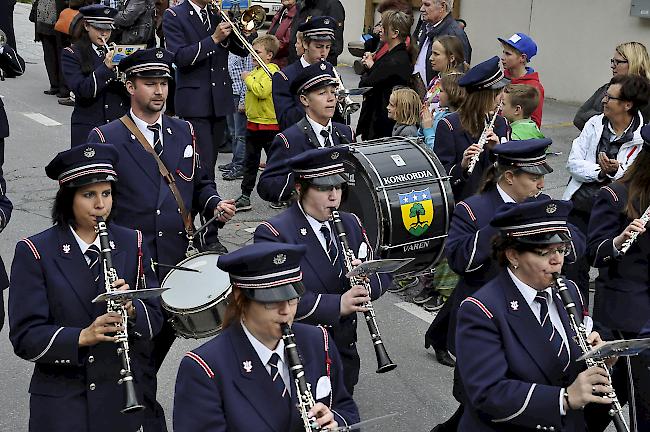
(200, 42)
(329, 299)
(316, 89)
(317, 37)
(240, 381)
(144, 199)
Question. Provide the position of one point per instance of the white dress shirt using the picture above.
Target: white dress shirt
(315, 226)
(198, 10)
(504, 196)
(83, 245)
(317, 127)
(265, 355)
(142, 126)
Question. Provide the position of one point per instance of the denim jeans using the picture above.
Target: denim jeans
(237, 127)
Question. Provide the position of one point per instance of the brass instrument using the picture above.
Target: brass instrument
(251, 19)
(483, 139)
(110, 276)
(345, 104)
(384, 363)
(645, 217)
(578, 326)
(304, 396)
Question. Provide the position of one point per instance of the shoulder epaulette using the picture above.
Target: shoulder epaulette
(480, 305)
(611, 191)
(451, 128)
(469, 210)
(283, 75)
(99, 133)
(270, 228)
(171, 11)
(32, 247)
(69, 49)
(197, 358)
(284, 138)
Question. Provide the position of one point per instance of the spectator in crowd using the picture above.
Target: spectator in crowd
(262, 124)
(234, 170)
(517, 52)
(307, 9)
(607, 145)
(450, 98)
(281, 26)
(47, 12)
(404, 109)
(519, 102)
(437, 21)
(392, 69)
(134, 22)
(629, 58)
(446, 56)
(7, 21)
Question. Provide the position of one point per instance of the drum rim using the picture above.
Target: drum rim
(203, 307)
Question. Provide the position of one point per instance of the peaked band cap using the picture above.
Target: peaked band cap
(321, 166)
(83, 165)
(313, 77)
(99, 16)
(151, 63)
(266, 272)
(486, 75)
(535, 221)
(527, 155)
(319, 28)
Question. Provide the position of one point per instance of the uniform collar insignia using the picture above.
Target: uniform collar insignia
(66, 248)
(514, 305)
(303, 231)
(169, 131)
(248, 366)
(111, 243)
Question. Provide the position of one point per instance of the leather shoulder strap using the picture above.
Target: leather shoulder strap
(164, 172)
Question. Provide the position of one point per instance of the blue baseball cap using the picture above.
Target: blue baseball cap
(522, 43)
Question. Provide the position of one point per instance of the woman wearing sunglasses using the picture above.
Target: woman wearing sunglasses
(329, 299)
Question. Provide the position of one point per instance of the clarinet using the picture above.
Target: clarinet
(645, 217)
(110, 276)
(483, 139)
(305, 399)
(575, 319)
(384, 363)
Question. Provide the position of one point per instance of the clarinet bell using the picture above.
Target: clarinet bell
(384, 363)
(131, 398)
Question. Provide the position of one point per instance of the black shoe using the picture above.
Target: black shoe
(424, 296)
(51, 92)
(225, 167)
(404, 284)
(443, 357)
(434, 304)
(66, 101)
(233, 175)
(217, 247)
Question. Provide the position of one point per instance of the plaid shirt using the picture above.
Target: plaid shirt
(115, 4)
(237, 65)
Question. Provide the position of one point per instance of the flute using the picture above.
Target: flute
(483, 139)
(645, 217)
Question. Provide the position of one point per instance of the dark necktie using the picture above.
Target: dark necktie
(551, 332)
(102, 51)
(204, 18)
(332, 250)
(92, 253)
(157, 144)
(325, 133)
(277, 378)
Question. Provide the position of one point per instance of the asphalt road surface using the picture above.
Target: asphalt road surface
(418, 391)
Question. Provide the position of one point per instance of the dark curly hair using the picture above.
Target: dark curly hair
(635, 89)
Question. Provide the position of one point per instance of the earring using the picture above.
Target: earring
(515, 266)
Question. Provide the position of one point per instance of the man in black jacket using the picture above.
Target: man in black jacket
(312, 8)
(437, 21)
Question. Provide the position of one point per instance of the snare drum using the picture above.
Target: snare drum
(197, 301)
(402, 193)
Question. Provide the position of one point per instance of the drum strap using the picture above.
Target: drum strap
(164, 172)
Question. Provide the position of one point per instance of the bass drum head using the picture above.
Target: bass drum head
(402, 194)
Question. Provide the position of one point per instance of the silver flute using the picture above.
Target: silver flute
(131, 403)
(578, 326)
(645, 217)
(483, 138)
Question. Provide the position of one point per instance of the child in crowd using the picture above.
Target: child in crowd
(519, 102)
(262, 124)
(518, 50)
(237, 120)
(404, 107)
(450, 97)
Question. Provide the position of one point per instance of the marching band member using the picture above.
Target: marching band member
(200, 41)
(316, 89)
(329, 299)
(515, 351)
(54, 277)
(240, 380)
(90, 73)
(517, 175)
(622, 302)
(457, 134)
(146, 200)
(317, 38)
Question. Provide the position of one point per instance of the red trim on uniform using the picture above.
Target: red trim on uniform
(140, 254)
(171, 11)
(328, 359)
(69, 49)
(280, 282)
(201, 363)
(101, 136)
(85, 173)
(480, 305)
(608, 189)
(286, 143)
(451, 128)
(629, 155)
(32, 246)
(469, 210)
(271, 228)
(283, 75)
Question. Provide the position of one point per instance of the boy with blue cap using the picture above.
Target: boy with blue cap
(518, 50)
(241, 380)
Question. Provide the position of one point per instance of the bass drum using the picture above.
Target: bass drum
(402, 193)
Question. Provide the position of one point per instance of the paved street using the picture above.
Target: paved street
(419, 390)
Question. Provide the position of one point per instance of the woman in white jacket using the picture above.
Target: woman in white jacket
(607, 145)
